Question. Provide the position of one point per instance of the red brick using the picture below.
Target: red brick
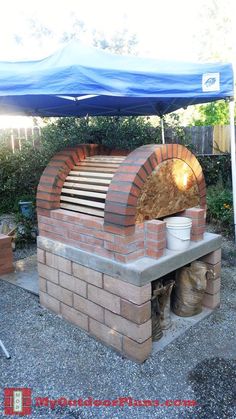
(5, 241)
(175, 150)
(121, 248)
(136, 313)
(53, 236)
(104, 298)
(156, 245)
(45, 196)
(87, 221)
(60, 230)
(130, 257)
(59, 293)
(132, 238)
(42, 211)
(195, 213)
(213, 286)
(6, 270)
(44, 187)
(137, 352)
(155, 254)
(156, 235)
(85, 239)
(211, 300)
(74, 316)
(49, 302)
(198, 230)
(184, 153)
(155, 226)
(105, 334)
(169, 151)
(121, 198)
(121, 230)
(213, 257)
(196, 237)
(153, 161)
(48, 204)
(137, 332)
(215, 269)
(88, 307)
(164, 152)
(158, 155)
(120, 209)
(142, 174)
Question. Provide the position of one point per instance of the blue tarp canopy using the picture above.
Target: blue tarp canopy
(78, 80)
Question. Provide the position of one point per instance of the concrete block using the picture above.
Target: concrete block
(136, 313)
(42, 284)
(73, 284)
(86, 274)
(137, 295)
(48, 273)
(41, 255)
(58, 262)
(139, 333)
(138, 352)
(49, 302)
(74, 316)
(59, 293)
(104, 298)
(105, 334)
(88, 307)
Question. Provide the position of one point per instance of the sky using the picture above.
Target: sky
(165, 29)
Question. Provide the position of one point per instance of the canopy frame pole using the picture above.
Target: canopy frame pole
(162, 130)
(233, 158)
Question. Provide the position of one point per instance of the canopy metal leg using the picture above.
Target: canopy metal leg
(8, 356)
(233, 160)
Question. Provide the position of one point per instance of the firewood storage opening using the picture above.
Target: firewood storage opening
(102, 238)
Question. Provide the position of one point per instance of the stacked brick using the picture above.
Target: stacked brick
(6, 257)
(113, 311)
(212, 295)
(87, 233)
(198, 216)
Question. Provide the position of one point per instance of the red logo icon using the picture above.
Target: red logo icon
(17, 401)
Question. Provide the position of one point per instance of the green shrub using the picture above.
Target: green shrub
(216, 168)
(220, 207)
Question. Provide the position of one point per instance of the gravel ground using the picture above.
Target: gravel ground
(56, 359)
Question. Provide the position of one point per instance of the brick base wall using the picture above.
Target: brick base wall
(115, 312)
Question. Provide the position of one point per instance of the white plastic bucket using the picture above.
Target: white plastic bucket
(178, 232)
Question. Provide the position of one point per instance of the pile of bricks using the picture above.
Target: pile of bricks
(6, 257)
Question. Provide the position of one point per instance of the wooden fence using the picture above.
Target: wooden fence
(205, 140)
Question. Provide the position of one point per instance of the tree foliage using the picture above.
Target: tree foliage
(215, 113)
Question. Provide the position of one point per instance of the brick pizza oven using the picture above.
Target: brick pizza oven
(102, 239)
